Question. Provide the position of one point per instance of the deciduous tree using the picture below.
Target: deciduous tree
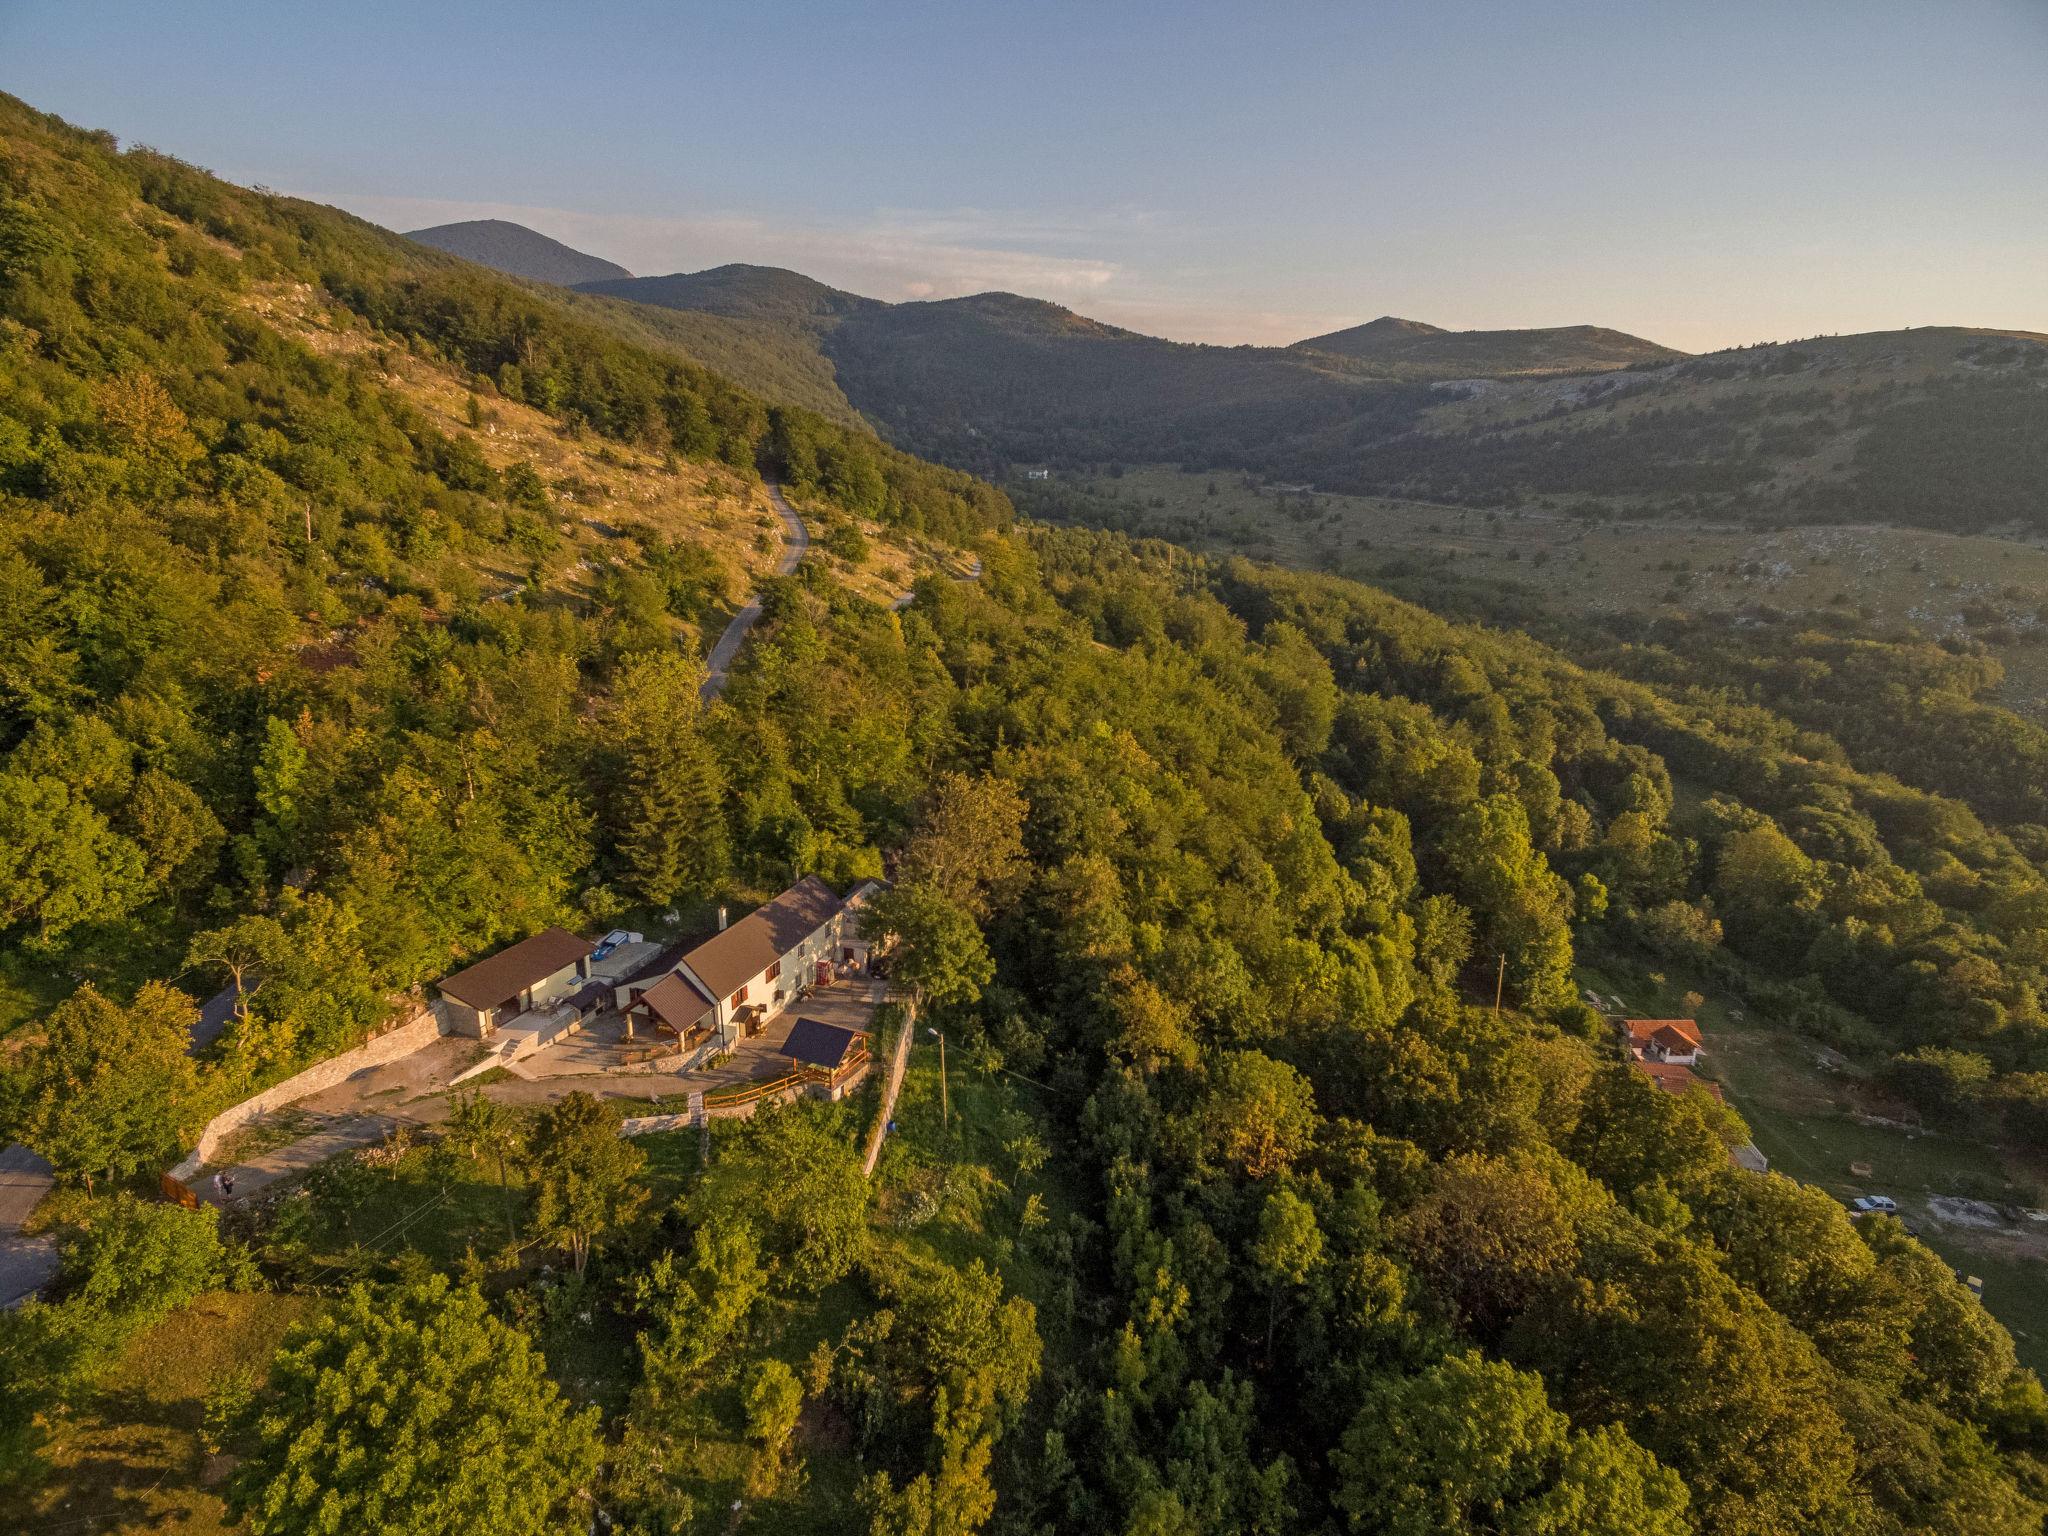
(1471, 1447)
(110, 1090)
(414, 1412)
(585, 1176)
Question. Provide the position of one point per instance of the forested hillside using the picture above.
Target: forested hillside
(1252, 1213)
(237, 545)
(1939, 428)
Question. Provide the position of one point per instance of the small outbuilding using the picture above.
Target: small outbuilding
(1677, 1078)
(831, 1058)
(814, 1043)
(534, 973)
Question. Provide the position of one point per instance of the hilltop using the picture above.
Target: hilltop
(994, 378)
(518, 252)
(1943, 427)
(741, 292)
(1412, 348)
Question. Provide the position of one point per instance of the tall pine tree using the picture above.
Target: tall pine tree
(668, 815)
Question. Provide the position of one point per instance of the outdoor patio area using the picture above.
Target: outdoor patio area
(600, 1046)
(848, 1004)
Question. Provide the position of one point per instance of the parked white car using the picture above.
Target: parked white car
(1874, 1205)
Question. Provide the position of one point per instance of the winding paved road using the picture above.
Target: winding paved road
(718, 665)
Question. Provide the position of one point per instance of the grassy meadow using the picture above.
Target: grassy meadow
(1992, 589)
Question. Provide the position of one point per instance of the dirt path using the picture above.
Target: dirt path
(905, 599)
(360, 1112)
(718, 665)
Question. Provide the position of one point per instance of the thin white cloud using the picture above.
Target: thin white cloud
(907, 254)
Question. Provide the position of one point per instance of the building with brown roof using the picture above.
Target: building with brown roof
(1676, 1077)
(763, 962)
(537, 972)
(673, 1006)
(1670, 1040)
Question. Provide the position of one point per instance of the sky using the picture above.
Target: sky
(1702, 172)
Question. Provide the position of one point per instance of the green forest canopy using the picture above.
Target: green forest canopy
(1272, 833)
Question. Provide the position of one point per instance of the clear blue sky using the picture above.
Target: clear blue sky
(1706, 172)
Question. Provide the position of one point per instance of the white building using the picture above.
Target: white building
(745, 975)
(534, 974)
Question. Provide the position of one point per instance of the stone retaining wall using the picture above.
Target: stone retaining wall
(419, 1031)
(891, 1086)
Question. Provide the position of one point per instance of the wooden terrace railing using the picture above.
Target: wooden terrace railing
(743, 1094)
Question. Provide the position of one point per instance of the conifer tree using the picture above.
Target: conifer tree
(668, 816)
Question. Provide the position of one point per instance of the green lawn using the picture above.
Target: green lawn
(131, 1459)
(950, 1190)
(442, 1209)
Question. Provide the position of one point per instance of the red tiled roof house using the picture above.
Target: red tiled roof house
(1667, 1040)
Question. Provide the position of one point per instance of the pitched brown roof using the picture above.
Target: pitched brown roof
(1674, 1077)
(1661, 1030)
(729, 960)
(511, 971)
(675, 1002)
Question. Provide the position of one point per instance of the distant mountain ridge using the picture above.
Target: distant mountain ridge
(1387, 347)
(1939, 427)
(1942, 427)
(739, 292)
(994, 378)
(518, 252)
(1410, 345)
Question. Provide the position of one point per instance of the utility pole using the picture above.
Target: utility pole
(945, 1094)
(1499, 983)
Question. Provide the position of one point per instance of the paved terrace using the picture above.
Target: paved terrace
(413, 1090)
(592, 1060)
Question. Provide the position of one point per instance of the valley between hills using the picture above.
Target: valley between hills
(1419, 932)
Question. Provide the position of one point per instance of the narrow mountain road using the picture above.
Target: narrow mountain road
(905, 599)
(718, 665)
(27, 1264)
